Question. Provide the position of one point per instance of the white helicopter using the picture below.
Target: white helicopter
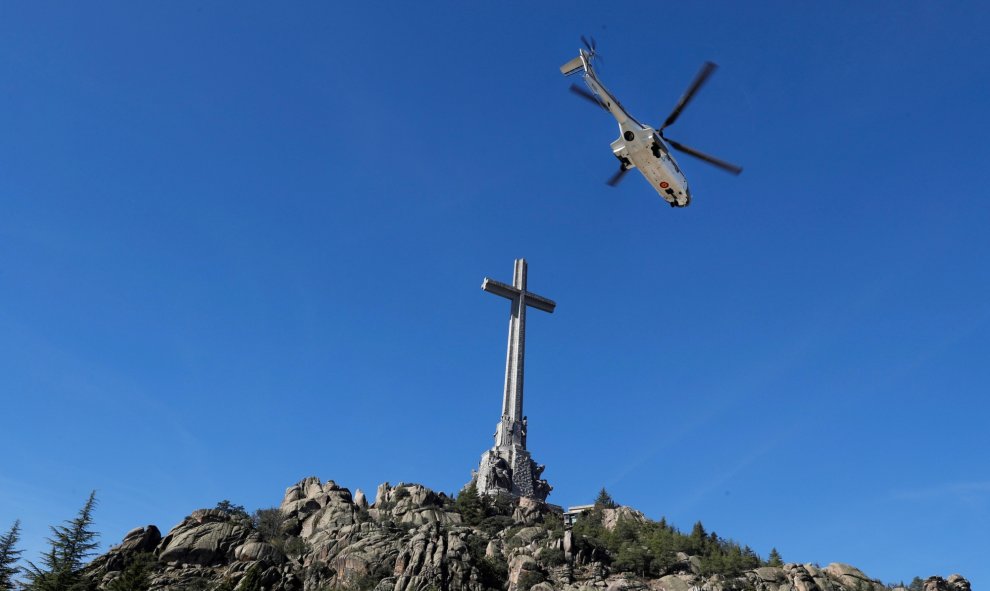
(641, 146)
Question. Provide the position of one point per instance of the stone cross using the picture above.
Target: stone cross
(512, 428)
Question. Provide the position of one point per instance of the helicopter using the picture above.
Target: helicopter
(641, 146)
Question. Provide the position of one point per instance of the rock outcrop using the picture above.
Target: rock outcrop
(611, 517)
(953, 583)
(414, 539)
(206, 538)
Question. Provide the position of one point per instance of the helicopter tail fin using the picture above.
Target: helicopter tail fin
(572, 67)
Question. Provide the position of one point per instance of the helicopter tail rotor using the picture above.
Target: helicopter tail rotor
(592, 47)
(589, 44)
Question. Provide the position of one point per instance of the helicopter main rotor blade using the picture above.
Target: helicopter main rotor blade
(614, 180)
(587, 95)
(727, 166)
(590, 45)
(699, 80)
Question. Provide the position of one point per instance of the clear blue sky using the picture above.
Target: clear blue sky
(241, 244)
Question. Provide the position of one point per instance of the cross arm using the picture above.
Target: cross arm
(507, 291)
(540, 302)
(500, 289)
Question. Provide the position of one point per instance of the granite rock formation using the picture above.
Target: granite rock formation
(414, 539)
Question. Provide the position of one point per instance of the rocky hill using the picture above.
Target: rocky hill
(412, 539)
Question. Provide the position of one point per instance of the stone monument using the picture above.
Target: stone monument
(508, 467)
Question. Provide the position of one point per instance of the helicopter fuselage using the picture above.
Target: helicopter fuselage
(640, 146)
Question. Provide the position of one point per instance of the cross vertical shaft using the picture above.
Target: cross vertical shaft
(511, 430)
(516, 349)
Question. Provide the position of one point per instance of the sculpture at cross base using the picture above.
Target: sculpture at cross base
(508, 467)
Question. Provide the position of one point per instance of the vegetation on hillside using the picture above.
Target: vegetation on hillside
(646, 548)
(136, 576)
(69, 547)
(649, 548)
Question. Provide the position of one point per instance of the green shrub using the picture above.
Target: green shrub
(268, 523)
(369, 580)
(553, 557)
(251, 581)
(295, 546)
(529, 578)
(136, 576)
(493, 573)
(554, 523)
(234, 511)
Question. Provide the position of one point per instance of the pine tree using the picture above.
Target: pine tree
(604, 500)
(8, 556)
(235, 511)
(469, 505)
(774, 559)
(71, 544)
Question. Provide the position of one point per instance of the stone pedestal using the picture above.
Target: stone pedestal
(511, 470)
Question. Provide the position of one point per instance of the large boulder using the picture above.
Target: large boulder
(532, 511)
(612, 517)
(258, 551)
(671, 583)
(953, 583)
(412, 505)
(314, 509)
(849, 577)
(958, 583)
(770, 574)
(806, 577)
(207, 537)
(524, 572)
(138, 540)
(141, 539)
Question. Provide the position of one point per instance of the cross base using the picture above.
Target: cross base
(511, 470)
